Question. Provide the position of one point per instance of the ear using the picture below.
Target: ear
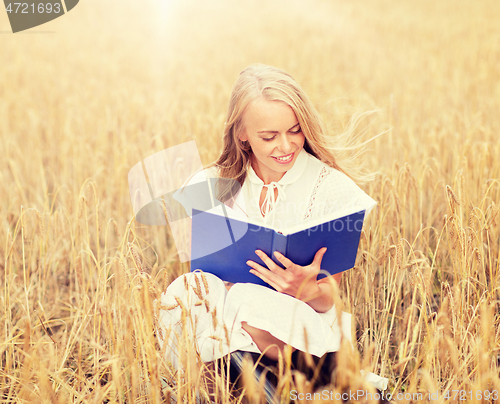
(243, 135)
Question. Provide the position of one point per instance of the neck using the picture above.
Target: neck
(265, 176)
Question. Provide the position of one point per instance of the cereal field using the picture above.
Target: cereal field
(87, 96)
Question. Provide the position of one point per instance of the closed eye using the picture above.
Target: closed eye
(296, 131)
(268, 139)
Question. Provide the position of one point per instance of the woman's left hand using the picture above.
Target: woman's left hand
(295, 280)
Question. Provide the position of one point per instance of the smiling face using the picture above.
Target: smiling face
(274, 134)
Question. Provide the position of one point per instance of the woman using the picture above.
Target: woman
(276, 149)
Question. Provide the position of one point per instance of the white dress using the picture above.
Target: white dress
(212, 315)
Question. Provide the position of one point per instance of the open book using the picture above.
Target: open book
(222, 242)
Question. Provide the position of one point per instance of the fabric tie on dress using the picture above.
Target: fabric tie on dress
(270, 201)
(257, 185)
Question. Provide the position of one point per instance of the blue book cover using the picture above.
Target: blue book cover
(222, 245)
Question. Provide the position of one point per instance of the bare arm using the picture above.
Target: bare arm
(321, 300)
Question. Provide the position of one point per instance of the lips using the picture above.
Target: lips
(288, 158)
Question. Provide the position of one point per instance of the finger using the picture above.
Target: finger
(318, 257)
(265, 274)
(264, 278)
(261, 270)
(273, 267)
(288, 264)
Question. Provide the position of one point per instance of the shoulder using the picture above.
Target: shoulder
(337, 191)
(202, 175)
(195, 193)
(327, 176)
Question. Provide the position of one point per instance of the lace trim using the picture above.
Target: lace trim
(321, 178)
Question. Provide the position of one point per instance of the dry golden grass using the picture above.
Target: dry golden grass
(118, 81)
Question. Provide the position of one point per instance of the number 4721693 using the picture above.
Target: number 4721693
(464, 395)
(26, 8)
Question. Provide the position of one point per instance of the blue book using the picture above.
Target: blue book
(222, 245)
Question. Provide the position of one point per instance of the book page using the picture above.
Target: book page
(226, 211)
(237, 215)
(317, 222)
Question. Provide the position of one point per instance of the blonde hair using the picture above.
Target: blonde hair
(273, 84)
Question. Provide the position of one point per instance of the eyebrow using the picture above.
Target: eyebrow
(275, 131)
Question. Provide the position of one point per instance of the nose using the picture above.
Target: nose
(285, 145)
